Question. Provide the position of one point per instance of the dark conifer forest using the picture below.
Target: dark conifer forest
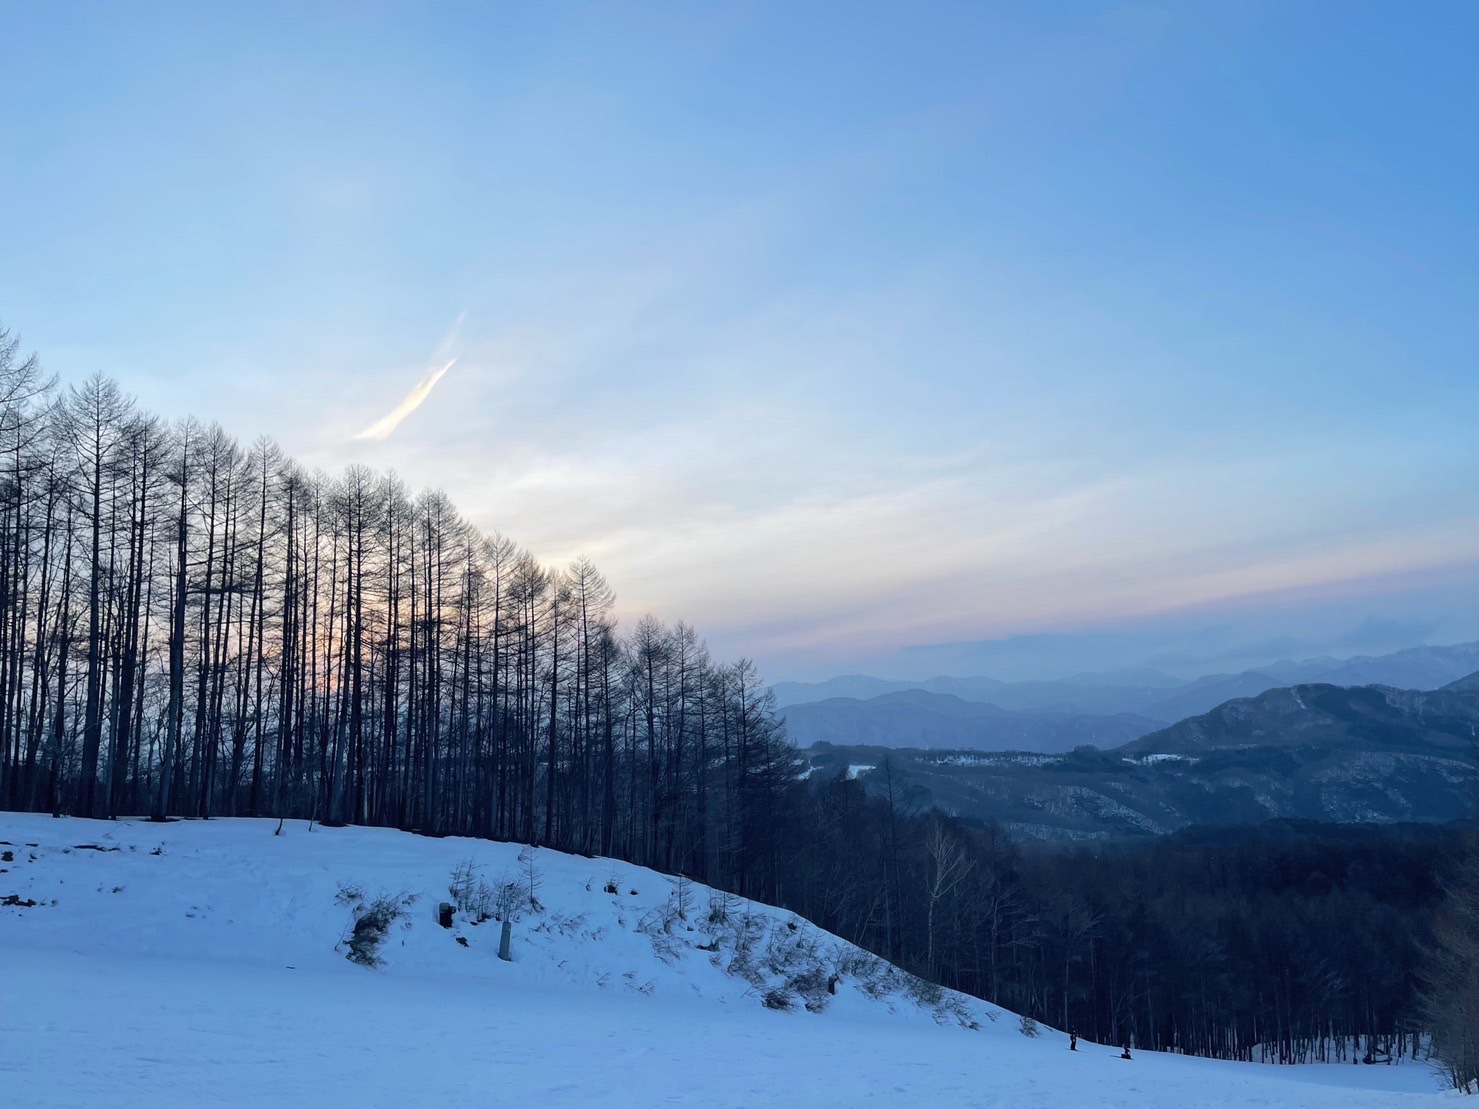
(192, 628)
(1282, 942)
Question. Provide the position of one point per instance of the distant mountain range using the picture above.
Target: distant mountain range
(1149, 693)
(917, 718)
(1311, 751)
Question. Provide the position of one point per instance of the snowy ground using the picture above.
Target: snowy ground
(208, 973)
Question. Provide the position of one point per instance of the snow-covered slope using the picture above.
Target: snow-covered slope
(205, 963)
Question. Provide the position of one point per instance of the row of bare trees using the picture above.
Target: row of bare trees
(193, 628)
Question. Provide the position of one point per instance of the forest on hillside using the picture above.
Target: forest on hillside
(192, 628)
(1284, 942)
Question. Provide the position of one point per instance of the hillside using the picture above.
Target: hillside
(918, 718)
(1368, 718)
(1468, 684)
(209, 968)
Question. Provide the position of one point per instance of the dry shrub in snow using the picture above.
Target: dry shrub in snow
(372, 922)
(777, 999)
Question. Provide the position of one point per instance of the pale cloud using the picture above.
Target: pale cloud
(383, 427)
(450, 349)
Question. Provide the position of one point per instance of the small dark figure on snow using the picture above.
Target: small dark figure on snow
(1073, 1041)
(1126, 1053)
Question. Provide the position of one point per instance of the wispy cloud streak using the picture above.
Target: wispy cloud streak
(383, 427)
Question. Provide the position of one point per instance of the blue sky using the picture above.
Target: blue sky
(865, 337)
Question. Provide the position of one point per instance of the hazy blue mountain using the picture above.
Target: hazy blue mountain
(1143, 677)
(1413, 668)
(919, 718)
(849, 685)
(1209, 692)
(862, 687)
(1085, 695)
(1155, 695)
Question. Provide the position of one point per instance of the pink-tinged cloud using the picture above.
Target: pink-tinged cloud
(383, 427)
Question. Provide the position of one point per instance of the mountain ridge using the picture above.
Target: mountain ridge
(1422, 667)
(1353, 716)
(920, 718)
(1343, 754)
